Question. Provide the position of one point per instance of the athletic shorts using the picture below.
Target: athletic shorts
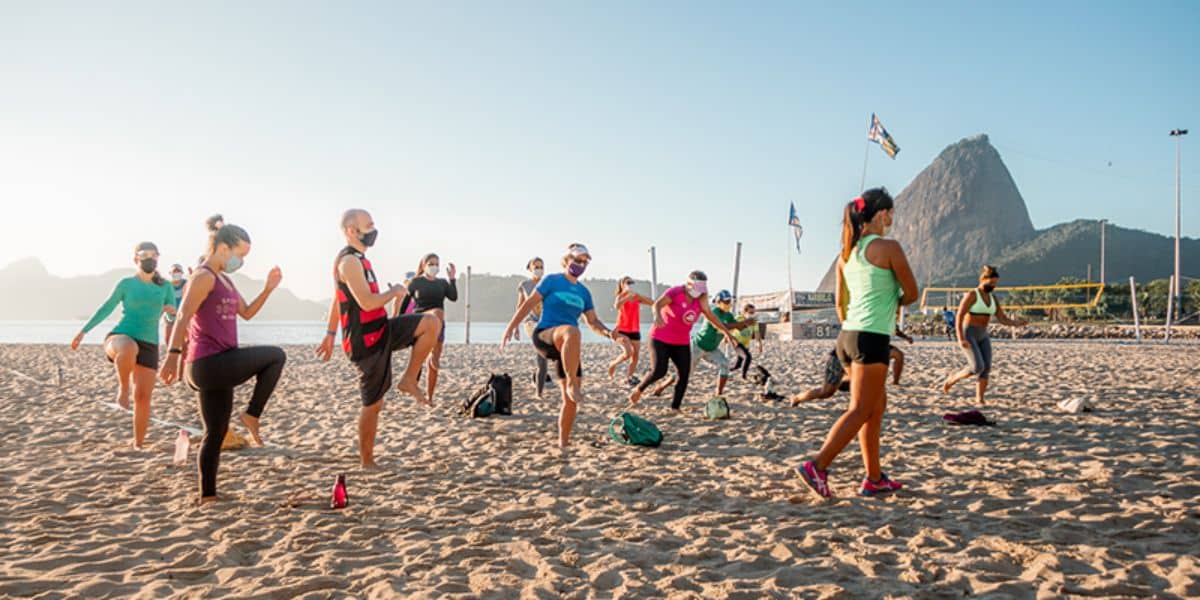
(549, 352)
(634, 336)
(715, 357)
(147, 355)
(834, 371)
(863, 347)
(375, 371)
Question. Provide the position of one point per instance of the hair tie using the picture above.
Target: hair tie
(860, 204)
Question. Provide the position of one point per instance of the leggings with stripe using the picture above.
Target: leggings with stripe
(215, 377)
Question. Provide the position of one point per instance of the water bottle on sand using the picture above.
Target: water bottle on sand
(340, 499)
(181, 448)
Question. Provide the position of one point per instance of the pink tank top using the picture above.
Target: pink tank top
(213, 329)
(678, 318)
(628, 318)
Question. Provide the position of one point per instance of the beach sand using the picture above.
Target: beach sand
(1044, 504)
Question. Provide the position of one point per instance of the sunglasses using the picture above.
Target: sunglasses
(581, 260)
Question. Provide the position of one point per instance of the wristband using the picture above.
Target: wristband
(332, 332)
(175, 351)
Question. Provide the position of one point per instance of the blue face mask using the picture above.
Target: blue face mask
(576, 269)
(233, 264)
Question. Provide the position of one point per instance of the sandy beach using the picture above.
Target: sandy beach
(1045, 504)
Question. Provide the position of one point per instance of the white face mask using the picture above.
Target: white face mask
(537, 273)
(695, 293)
(432, 270)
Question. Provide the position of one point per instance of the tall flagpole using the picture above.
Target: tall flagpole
(791, 294)
(862, 185)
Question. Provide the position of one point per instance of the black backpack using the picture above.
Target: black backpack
(495, 397)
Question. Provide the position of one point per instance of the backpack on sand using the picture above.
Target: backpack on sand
(635, 431)
(495, 397)
(716, 408)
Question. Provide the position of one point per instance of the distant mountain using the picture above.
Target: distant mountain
(1066, 250)
(964, 210)
(493, 297)
(78, 297)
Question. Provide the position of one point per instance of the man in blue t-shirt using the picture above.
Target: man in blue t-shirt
(948, 317)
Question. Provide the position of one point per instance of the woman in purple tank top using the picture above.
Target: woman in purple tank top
(215, 364)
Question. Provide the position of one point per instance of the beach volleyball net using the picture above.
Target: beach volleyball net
(1060, 296)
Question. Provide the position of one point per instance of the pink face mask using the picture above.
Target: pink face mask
(699, 288)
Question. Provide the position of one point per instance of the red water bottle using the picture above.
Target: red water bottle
(340, 497)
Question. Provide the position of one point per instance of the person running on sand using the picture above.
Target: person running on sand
(974, 313)
(675, 311)
(706, 343)
(563, 300)
(132, 346)
(216, 365)
(628, 305)
(744, 336)
(430, 294)
(873, 280)
(369, 337)
(525, 289)
(836, 379)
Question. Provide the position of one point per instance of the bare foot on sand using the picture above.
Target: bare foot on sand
(206, 500)
(946, 385)
(123, 398)
(413, 389)
(612, 370)
(370, 466)
(251, 423)
(635, 396)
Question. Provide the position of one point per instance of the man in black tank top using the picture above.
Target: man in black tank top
(368, 337)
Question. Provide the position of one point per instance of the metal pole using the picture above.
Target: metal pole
(1103, 224)
(654, 275)
(1137, 324)
(862, 185)
(467, 306)
(1170, 307)
(1089, 275)
(737, 270)
(791, 299)
(1174, 291)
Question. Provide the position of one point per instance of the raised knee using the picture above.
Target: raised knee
(572, 333)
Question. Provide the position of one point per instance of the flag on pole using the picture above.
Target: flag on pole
(794, 223)
(880, 136)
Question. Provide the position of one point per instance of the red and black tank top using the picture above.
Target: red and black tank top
(364, 332)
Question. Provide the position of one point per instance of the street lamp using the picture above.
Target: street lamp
(1178, 135)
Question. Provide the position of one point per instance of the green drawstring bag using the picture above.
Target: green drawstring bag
(635, 431)
(716, 408)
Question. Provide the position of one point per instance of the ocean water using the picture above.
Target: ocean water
(250, 333)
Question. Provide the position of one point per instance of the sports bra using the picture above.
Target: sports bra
(979, 308)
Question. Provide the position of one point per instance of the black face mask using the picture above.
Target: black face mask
(148, 265)
(368, 238)
(989, 288)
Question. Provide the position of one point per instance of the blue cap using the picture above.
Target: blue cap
(723, 296)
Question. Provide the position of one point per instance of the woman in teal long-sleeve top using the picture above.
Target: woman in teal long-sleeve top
(132, 346)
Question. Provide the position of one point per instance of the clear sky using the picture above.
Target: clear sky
(490, 132)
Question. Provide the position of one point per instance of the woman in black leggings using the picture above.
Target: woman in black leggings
(215, 363)
(670, 338)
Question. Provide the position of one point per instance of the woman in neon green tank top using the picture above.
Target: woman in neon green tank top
(874, 281)
(132, 346)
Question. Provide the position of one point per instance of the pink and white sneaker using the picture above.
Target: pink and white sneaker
(816, 479)
(870, 488)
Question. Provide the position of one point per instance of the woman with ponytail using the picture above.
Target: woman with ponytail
(215, 364)
(132, 346)
(873, 281)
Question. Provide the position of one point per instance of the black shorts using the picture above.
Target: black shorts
(835, 373)
(863, 347)
(634, 336)
(147, 355)
(375, 371)
(549, 352)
